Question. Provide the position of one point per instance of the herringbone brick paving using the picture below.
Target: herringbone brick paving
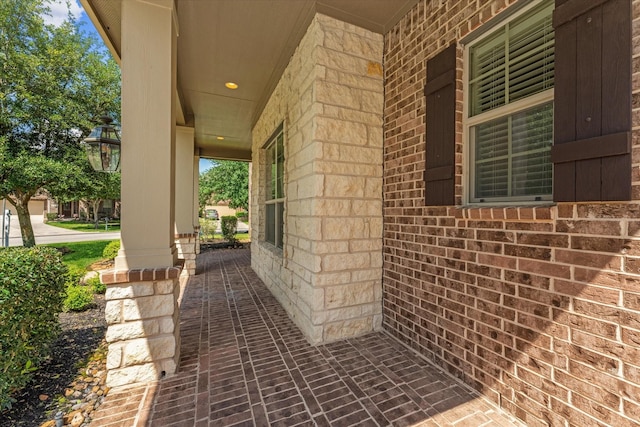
(244, 363)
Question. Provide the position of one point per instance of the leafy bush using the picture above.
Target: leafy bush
(111, 250)
(96, 285)
(52, 216)
(74, 276)
(207, 229)
(31, 295)
(79, 298)
(229, 227)
(242, 216)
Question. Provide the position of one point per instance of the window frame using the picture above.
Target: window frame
(276, 202)
(469, 143)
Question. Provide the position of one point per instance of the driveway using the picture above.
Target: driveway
(47, 234)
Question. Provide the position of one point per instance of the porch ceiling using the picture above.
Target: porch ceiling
(248, 42)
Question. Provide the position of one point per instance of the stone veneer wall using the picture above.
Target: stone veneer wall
(536, 307)
(143, 329)
(188, 246)
(330, 98)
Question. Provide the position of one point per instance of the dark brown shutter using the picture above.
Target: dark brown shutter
(592, 111)
(440, 90)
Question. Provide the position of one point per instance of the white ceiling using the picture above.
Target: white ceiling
(245, 41)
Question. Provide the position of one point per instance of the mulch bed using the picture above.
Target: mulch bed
(40, 400)
(222, 245)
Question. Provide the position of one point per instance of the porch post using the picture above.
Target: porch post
(142, 291)
(196, 201)
(185, 234)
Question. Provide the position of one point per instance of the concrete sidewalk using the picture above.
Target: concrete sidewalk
(47, 234)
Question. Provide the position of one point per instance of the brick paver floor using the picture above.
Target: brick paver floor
(244, 362)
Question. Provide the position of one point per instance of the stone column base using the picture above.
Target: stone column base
(187, 245)
(143, 325)
(196, 231)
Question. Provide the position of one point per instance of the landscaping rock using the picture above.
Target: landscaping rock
(59, 378)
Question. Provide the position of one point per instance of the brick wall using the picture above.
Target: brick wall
(536, 307)
(328, 276)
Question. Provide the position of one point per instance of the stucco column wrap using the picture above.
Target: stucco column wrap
(196, 204)
(148, 131)
(185, 232)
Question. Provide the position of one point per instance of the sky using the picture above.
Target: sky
(59, 12)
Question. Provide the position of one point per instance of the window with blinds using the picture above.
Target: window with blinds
(274, 205)
(510, 110)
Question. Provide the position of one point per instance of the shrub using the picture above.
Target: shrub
(229, 227)
(74, 275)
(111, 250)
(96, 285)
(79, 298)
(52, 216)
(31, 295)
(208, 228)
(242, 216)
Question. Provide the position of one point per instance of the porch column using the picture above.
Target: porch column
(185, 234)
(142, 291)
(196, 196)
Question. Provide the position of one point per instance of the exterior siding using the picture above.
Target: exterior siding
(536, 307)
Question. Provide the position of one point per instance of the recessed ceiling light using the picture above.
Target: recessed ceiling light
(220, 138)
(231, 85)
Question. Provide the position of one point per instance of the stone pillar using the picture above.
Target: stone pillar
(185, 234)
(142, 324)
(142, 291)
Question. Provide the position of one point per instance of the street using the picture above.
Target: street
(48, 234)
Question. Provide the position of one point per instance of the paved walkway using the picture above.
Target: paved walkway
(244, 362)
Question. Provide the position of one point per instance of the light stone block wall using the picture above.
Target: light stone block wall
(143, 326)
(187, 246)
(328, 276)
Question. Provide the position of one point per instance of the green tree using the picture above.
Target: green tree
(54, 86)
(100, 187)
(226, 181)
(89, 186)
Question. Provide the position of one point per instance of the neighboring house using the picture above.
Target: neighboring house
(222, 208)
(80, 209)
(41, 204)
(462, 174)
(38, 205)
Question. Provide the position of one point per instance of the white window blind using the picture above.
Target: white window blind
(512, 143)
(513, 154)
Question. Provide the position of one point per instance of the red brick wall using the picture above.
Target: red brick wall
(536, 307)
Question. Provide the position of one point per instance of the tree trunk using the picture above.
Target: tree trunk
(96, 205)
(22, 208)
(83, 206)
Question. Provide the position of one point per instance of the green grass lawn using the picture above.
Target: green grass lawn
(81, 255)
(85, 227)
(217, 237)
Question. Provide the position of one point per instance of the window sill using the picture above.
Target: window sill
(540, 211)
(271, 248)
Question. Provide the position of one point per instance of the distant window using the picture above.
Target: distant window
(274, 205)
(510, 109)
